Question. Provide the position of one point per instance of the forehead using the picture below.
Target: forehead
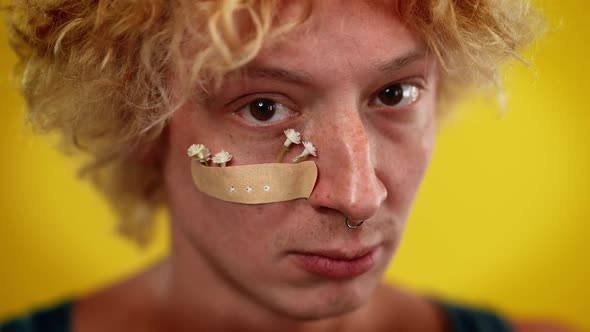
(343, 36)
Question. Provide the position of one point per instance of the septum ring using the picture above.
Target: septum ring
(353, 226)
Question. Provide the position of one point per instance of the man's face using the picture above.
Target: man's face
(359, 86)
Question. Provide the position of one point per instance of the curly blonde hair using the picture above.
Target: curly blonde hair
(97, 71)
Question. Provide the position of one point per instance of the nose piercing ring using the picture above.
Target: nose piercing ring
(353, 226)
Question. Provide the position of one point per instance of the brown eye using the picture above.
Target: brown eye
(262, 109)
(398, 95)
(391, 95)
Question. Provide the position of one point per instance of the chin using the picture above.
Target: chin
(324, 301)
(320, 297)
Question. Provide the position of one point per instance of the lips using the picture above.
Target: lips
(336, 263)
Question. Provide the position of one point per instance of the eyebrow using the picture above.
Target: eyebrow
(303, 78)
(295, 77)
(400, 62)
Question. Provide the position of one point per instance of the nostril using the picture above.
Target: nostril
(354, 202)
(362, 208)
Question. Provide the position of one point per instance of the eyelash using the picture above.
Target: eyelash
(410, 90)
(287, 107)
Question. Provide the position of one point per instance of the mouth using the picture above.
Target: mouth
(337, 264)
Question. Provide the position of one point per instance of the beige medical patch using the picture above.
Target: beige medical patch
(256, 184)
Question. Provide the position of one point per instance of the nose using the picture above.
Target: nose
(347, 179)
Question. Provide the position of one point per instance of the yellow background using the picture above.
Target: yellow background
(501, 220)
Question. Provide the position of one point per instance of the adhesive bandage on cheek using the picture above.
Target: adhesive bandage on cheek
(255, 184)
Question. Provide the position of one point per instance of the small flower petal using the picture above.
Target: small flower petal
(195, 149)
(310, 149)
(293, 136)
(222, 157)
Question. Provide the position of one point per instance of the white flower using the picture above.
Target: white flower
(309, 150)
(292, 137)
(222, 158)
(200, 152)
(194, 150)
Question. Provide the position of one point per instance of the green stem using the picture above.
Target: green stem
(300, 159)
(282, 154)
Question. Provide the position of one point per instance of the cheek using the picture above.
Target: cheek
(403, 163)
(224, 227)
(216, 224)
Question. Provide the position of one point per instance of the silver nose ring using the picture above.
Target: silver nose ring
(353, 226)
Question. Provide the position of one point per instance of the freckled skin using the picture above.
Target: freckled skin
(370, 165)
